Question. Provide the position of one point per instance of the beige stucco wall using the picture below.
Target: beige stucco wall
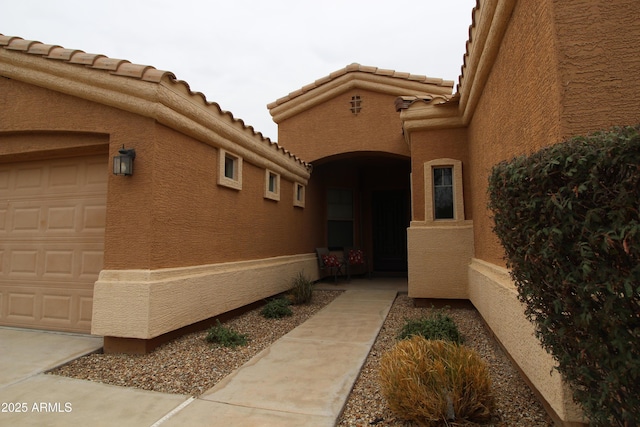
(330, 127)
(430, 145)
(511, 119)
(554, 76)
(493, 294)
(565, 77)
(517, 113)
(536, 75)
(193, 220)
(171, 214)
(438, 258)
(598, 63)
(147, 303)
(39, 120)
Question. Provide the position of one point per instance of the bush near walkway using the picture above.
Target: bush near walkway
(435, 326)
(568, 218)
(434, 382)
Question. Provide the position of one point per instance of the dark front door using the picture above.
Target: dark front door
(390, 221)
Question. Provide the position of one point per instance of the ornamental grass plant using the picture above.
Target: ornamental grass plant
(435, 382)
(301, 291)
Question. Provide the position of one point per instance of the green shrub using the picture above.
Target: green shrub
(568, 218)
(224, 336)
(437, 326)
(277, 308)
(433, 382)
(301, 290)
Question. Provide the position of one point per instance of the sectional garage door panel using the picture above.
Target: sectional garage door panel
(52, 218)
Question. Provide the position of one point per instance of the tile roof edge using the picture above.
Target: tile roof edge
(126, 69)
(404, 102)
(473, 27)
(355, 68)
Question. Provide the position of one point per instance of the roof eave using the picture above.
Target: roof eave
(355, 76)
(490, 19)
(158, 95)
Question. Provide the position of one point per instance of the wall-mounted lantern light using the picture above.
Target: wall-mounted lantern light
(123, 163)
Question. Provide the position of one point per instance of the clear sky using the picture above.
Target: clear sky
(244, 54)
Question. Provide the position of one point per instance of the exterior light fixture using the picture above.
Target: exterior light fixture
(123, 163)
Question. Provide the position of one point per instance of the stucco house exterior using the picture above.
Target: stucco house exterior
(216, 216)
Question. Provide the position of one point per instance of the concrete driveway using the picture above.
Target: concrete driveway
(28, 397)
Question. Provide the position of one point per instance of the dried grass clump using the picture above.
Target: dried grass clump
(432, 382)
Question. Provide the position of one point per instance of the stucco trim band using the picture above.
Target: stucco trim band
(494, 295)
(147, 303)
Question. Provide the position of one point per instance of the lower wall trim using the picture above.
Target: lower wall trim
(118, 345)
(494, 295)
(144, 304)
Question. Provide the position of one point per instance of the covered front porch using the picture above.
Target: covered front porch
(365, 203)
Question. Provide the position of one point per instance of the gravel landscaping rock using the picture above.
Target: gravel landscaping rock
(190, 366)
(516, 404)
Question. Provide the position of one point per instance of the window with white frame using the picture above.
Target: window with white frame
(230, 170)
(272, 185)
(298, 195)
(443, 190)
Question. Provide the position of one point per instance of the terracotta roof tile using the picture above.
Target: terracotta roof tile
(153, 75)
(41, 49)
(472, 30)
(404, 102)
(106, 63)
(85, 58)
(62, 53)
(385, 72)
(424, 79)
(20, 44)
(5, 40)
(366, 69)
(126, 69)
(355, 67)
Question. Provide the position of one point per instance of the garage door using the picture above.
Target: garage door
(52, 218)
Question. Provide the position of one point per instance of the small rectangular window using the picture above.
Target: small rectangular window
(443, 192)
(298, 195)
(230, 170)
(272, 185)
(229, 166)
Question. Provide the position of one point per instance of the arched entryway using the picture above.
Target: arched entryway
(366, 204)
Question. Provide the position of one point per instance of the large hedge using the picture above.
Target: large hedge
(568, 218)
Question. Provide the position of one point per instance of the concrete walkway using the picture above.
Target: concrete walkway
(304, 378)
